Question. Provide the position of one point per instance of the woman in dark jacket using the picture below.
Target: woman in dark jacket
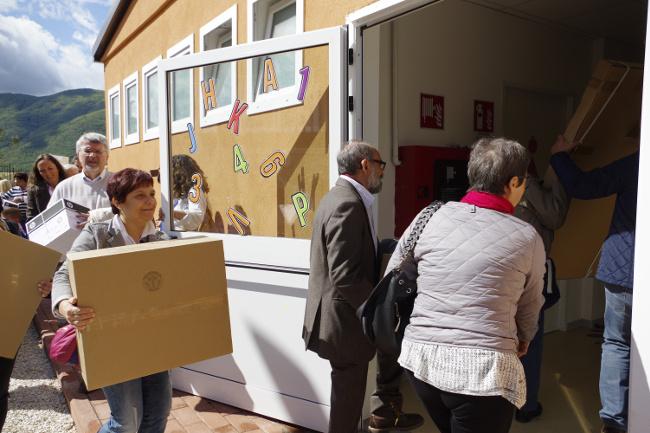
(46, 174)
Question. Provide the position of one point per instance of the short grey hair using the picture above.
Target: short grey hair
(493, 162)
(92, 137)
(350, 157)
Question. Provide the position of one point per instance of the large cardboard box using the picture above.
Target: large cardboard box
(158, 306)
(24, 264)
(607, 123)
(56, 226)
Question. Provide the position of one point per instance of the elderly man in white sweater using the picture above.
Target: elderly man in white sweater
(88, 188)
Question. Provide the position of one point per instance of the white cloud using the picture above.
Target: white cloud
(34, 62)
(8, 5)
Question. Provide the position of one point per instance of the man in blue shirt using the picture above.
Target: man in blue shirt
(615, 269)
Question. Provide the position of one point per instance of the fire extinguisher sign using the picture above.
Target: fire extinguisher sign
(432, 111)
(483, 116)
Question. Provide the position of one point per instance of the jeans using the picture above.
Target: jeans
(139, 405)
(615, 362)
(460, 413)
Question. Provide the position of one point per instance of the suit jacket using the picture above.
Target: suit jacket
(37, 198)
(343, 272)
(94, 236)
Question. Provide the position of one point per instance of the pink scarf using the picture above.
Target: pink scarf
(488, 201)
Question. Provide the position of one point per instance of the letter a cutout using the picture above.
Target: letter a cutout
(236, 113)
(270, 79)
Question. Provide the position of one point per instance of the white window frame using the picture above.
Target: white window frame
(281, 98)
(219, 114)
(148, 70)
(182, 48)
(112, 92)
(131, 81)
(262, 249)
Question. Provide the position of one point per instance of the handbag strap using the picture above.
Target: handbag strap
(418, 228)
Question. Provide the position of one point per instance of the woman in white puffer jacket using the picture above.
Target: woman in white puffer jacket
(480, 278)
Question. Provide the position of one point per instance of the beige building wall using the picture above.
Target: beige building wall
(150, 27)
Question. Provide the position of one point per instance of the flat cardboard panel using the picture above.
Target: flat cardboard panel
(24, 264)
(158, 306)
(614, 134)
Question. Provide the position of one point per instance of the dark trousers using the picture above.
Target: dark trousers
(348, 390)
(532, 363)
(459, 413)
(6, 367)
(387, 397)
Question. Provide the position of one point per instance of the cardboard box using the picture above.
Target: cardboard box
(607, 123)
(24, 264)
(56, 226)
(158, 306)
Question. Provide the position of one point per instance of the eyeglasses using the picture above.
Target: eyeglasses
(380, 162)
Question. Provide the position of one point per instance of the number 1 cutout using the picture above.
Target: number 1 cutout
(303, 82)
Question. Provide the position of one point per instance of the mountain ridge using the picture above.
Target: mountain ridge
(31, 125)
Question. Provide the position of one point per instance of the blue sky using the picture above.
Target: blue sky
(46, 45)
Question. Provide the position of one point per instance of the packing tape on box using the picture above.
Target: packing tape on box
(131, 318)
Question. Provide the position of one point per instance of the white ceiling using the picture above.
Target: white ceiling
(618, 20)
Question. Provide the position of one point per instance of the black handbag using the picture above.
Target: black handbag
(388, 309)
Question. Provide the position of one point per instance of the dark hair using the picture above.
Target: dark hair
(183, 167)
(120, 184)
(21, 175)
(493, 162)
(37, 179)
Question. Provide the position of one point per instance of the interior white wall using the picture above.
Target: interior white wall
(465, 52)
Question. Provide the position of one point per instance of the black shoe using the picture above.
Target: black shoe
(610, 429)
(529, 415)
(397, 422)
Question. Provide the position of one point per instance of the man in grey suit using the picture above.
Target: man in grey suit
(343, 271)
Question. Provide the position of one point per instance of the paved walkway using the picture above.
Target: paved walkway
(190, 414)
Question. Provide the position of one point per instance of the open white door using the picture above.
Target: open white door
(639, 416)
(254, 178)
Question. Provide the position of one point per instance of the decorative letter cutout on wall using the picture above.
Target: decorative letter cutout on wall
(237, 220)
(272, 164)
(239, 161)
(194, 146)
(270, 80)
(209, 95)
(301, 205)
(195, 192)
(303, 82)
(236, 113)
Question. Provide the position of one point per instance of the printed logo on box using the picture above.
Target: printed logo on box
(152, 281)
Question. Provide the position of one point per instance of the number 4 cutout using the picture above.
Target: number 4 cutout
(239, 161)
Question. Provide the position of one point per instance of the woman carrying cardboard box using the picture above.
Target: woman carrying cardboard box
(142, 404)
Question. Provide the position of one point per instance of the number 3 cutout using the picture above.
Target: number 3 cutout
(195, 192)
